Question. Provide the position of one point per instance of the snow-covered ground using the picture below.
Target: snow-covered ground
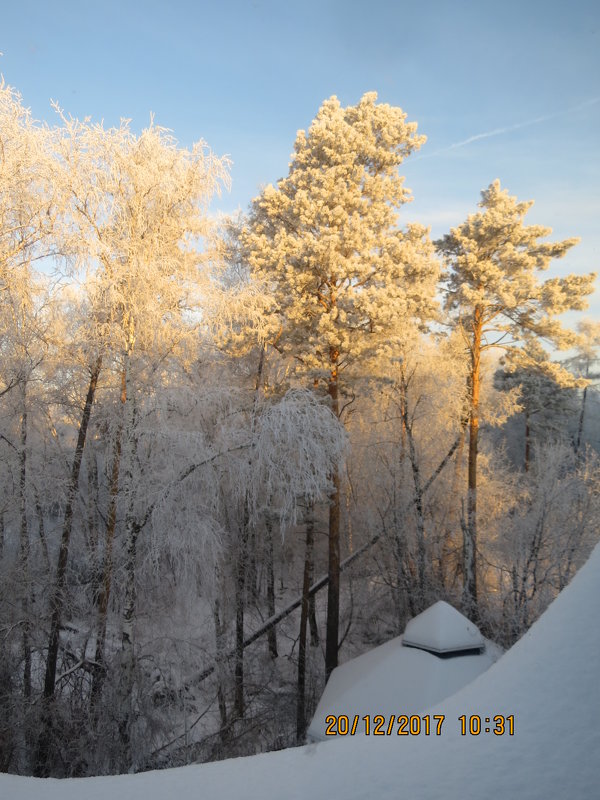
(549, 681)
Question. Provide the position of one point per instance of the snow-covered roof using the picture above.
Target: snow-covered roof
(392, 679)
(442, 629)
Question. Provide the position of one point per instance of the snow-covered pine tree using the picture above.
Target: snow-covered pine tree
(542, 385)
(494, 293)
(326, 243)
(585, 364)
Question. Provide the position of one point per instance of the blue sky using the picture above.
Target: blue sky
(517, 82)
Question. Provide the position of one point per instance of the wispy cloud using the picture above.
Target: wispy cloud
(509, 128)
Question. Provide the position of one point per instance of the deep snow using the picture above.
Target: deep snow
(549, 681)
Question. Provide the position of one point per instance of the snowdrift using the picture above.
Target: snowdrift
(549, 681)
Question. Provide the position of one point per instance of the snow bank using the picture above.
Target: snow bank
(548, 681)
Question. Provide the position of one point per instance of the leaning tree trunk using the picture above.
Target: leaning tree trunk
(333, 586)
(58, 599)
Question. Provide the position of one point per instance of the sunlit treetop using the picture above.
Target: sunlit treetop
(493, 259)
(325, 239)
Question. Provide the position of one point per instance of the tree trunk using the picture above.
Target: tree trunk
(42, 531)
(527, 441)
(93, 494)
(24, 549)
(470, 534)
(132, 530)
(312, 610)
(127, 671)
(581, 417)
(452, 520)
(220, 650)
(301, 690)
(240, 599)
(418, 495)
(242, 564)
(57, 602)
(333, 586)
(111, 523)
(272, 635)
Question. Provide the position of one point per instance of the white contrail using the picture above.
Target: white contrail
(509, 128)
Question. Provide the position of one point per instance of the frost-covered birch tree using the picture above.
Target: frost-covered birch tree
(135, 221)
(29, 198)
(325, 240)
(496, 297)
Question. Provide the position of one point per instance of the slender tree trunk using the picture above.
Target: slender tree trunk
(242, 565)
(240, 599)
(131, 533)
(418, 495)
(272, 635)
(107, 569)
(470, 537)
(42, 531)
(527, 441)
(24, 549)
(333, 586)
(58, 599)
(403, 414)
(127, 671)
(93, 492)
(132, 530)
(453, 521)
(220, 651)
(131, 527)
(253, 574)
(301, 690)
(399, 588)
(310, 563)
(581, 418)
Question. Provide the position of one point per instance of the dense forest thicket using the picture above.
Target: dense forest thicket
(198, 424)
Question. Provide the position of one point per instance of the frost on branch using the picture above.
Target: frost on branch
(298, 444)
(284, 462)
